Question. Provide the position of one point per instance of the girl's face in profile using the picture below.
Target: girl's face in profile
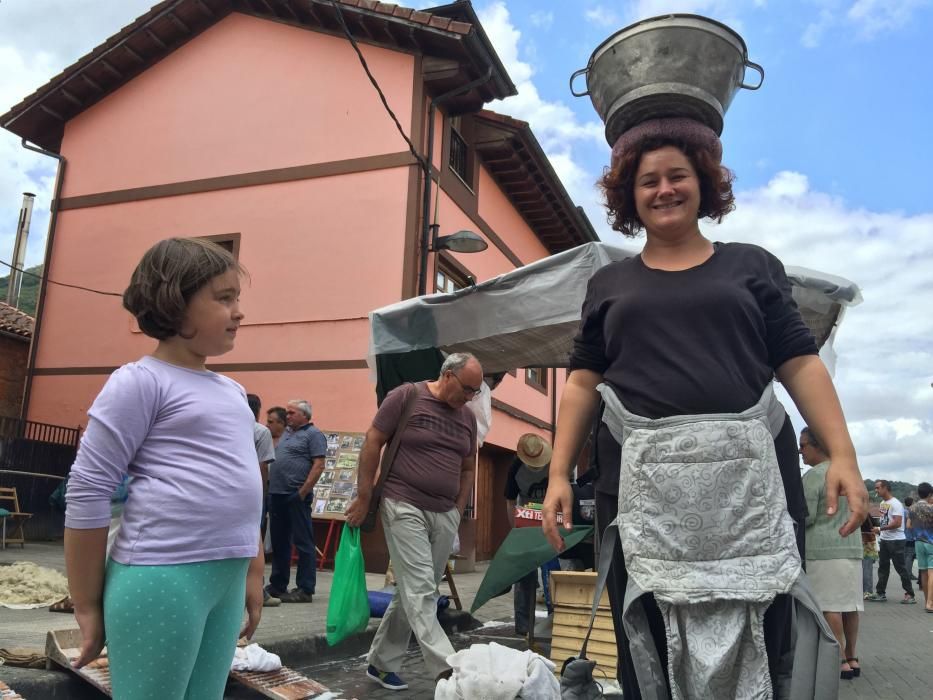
(667, 192)
(213, 316)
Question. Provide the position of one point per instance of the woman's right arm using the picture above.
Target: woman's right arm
(578, 405)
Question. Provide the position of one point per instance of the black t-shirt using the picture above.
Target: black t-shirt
(535, 484)
(703, 340)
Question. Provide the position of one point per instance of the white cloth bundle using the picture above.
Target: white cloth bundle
(254, 658)
(495, 672)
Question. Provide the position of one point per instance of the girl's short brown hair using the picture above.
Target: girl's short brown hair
(618, 183)
(166, 278)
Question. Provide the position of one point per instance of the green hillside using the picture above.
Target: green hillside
(29, 292)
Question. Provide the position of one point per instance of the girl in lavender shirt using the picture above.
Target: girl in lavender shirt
(169, 600)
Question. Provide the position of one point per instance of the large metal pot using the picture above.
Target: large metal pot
(675, 65)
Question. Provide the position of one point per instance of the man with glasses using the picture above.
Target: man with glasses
(423, 499)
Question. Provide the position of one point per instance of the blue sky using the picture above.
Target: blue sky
(831, 157)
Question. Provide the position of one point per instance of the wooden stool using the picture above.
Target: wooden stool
(449, 578)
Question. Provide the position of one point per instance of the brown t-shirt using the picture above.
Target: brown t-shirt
(426, 471)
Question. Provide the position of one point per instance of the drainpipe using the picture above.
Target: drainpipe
(43, 285)
(553, 404)
(426, 197)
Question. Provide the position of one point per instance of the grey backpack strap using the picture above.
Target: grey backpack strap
(607, 548)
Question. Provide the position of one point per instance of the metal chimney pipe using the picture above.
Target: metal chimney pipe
(19, 250)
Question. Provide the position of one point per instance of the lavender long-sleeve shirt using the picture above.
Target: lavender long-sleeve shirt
(186, 438)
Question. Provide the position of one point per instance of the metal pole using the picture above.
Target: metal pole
(19, 250)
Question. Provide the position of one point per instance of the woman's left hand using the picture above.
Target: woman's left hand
(844, 479)
(254, 600)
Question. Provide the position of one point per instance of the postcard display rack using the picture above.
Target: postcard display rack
(336, 488)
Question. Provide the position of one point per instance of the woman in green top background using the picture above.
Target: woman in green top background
(834, 563)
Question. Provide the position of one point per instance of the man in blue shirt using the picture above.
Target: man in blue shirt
(299, 462)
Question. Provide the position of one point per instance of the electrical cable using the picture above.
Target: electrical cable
(372, 79)
(60, 284)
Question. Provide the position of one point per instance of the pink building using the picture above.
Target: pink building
(255, 125)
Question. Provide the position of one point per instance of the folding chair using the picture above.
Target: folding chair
(9, 510)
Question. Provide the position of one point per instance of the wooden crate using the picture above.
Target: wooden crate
(575, 589)
(572, 596)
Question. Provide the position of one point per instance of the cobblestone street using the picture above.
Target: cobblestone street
(895, 643)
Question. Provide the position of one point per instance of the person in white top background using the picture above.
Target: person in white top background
(891, 544)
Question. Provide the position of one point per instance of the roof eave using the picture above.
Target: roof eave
(41, 117)
(582, 230)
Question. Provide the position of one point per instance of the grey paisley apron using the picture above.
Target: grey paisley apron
(704, 527)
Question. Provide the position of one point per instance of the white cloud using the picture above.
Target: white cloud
(554, 123)
(541, 19)
(603, 16)
(873, 17)
(863, 19)
(813, 34)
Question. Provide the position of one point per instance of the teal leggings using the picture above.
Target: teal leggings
(172, 630)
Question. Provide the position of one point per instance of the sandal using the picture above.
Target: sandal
(856, 670)
(846, 674)
(62, 606)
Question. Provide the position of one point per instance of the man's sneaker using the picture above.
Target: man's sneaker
(270, 601)
(296, 595)
(908, 599)
(877, 598)
(387, 679)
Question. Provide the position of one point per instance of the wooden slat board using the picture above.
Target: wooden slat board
(7, 693)
(62, 647)
(283, 684)
(575, 588)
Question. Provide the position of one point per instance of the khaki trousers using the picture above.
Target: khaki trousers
(419, 543)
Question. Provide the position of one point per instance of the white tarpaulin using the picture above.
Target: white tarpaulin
(528, 317)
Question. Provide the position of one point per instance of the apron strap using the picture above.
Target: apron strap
(607, 547)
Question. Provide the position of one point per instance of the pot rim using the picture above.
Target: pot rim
(599, 50)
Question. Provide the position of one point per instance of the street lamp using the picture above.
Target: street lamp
(460, 242)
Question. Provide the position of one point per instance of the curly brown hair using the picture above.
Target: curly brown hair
(166, 278)
(618, 184)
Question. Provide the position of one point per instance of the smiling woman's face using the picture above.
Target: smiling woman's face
(667, 192)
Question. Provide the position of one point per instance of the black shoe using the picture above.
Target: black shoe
(297, 596)
(856, 670)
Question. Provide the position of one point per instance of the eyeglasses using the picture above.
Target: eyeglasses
(468, 390)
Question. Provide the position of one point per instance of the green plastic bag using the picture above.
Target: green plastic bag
(348, 609)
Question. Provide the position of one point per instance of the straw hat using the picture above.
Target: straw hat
(533, 450)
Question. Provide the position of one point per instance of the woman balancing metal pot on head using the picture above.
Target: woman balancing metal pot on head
(697, 460)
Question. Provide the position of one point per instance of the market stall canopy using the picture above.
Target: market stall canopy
(528, 317)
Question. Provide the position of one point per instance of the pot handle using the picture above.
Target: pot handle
(761, 72)
(576, 74)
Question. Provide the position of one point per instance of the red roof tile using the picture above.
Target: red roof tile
(14, 321)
